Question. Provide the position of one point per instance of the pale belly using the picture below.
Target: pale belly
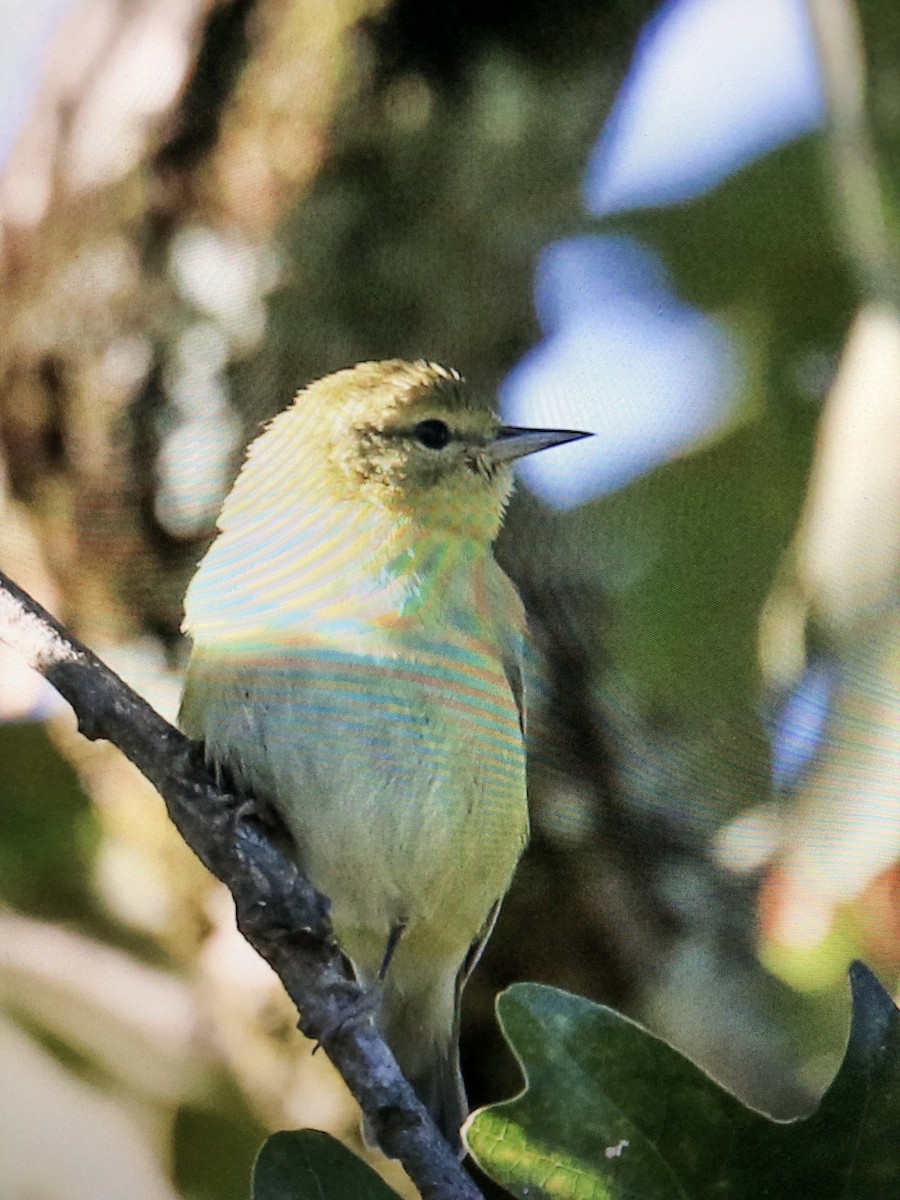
(403, 785)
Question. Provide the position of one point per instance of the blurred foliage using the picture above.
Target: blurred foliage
(47, 829)
(394, 252)
(707, 534)
(214, 1147)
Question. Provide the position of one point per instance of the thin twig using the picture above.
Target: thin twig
(278, 911)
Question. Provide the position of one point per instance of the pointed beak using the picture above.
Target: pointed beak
(512, 443)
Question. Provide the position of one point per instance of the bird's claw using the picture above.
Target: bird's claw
(362, 1008)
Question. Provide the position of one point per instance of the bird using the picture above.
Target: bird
(357, 659)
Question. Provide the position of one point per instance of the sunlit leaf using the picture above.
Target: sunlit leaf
(612, 1113)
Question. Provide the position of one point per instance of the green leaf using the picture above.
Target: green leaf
(612, 1113)
(307, 1164)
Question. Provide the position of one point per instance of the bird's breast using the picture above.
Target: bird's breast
(400, 776)
(382, 722)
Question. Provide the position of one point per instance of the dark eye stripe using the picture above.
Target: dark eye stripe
(433, 434)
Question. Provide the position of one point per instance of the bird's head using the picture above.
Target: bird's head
(411, 439)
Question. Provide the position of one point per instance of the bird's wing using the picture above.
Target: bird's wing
(470, 962)
(508, 620)
(512, 667)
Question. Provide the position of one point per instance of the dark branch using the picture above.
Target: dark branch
(278, 911)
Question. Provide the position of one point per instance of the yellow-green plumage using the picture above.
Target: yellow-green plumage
(357, 659)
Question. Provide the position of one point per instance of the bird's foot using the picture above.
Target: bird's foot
(361, 1009)
(365, 1006)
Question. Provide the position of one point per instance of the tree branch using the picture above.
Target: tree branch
(279, 912)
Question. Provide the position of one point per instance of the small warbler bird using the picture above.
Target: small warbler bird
(357, 660)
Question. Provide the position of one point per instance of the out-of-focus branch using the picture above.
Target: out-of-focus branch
(845, 568)
(857, 194)
(279, 912)
(847, 549)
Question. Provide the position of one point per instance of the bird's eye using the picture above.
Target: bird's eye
(432, 434)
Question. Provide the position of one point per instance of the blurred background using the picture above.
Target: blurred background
(675, 225)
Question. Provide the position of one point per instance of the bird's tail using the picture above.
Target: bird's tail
(423, 1033)
(440, 1088)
